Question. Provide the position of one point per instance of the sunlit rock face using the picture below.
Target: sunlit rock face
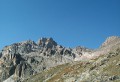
(22, 60)
(110, 41)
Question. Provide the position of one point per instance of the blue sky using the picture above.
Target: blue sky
(69, 22)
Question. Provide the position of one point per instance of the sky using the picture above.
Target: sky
(70, 23)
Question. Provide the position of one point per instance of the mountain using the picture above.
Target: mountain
(46, 60)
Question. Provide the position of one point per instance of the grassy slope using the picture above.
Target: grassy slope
(100, 69)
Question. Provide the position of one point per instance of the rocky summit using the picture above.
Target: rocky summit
(47, 61)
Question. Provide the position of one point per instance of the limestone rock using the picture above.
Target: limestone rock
(111, 41)
(24, 59)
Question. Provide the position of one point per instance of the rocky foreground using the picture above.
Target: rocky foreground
(46, 61)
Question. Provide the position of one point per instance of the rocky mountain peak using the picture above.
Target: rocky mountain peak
(21, 47)
(24, 59)
(29, 46)
(28, 42)
(110, 41)
(46, 42)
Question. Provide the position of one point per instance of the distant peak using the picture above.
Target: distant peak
(28, 42)
(46, 41)
(111, 40)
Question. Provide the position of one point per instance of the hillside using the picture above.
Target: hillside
(47, 61)
(105, 68)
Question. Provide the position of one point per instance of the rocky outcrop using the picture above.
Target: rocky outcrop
(103, 69)
(47, 42)
(20, 61)
(111, 41)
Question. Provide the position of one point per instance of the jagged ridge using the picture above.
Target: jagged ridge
(20, 61)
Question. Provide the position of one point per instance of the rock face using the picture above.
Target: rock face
(113, 40)
(110, 43)
(105, 68)
(22, 60)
